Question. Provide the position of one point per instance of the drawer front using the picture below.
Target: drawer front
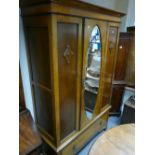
(81, 140)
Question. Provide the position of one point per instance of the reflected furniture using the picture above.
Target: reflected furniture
(123, 78)
(119, 140)
(71, 50)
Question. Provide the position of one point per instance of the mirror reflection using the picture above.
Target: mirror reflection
(92, 72)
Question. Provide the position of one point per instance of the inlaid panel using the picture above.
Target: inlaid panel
(44, 110)
(112, 40)
(109, 63)
(39, 55)
(67, 38)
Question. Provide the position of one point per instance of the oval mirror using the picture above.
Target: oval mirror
(92, 72)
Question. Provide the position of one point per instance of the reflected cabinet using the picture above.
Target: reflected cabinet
(71, 49)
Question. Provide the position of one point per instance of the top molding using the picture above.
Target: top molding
(29, 4)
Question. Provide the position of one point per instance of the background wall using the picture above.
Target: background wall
(131, 13)
(24, 69)
(105, 3)
(126, 6)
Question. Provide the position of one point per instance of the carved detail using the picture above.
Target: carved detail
(68, 54)
(110, 47)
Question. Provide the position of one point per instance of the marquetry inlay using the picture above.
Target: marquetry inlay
(68, 54)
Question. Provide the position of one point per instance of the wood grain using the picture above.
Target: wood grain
(68, 33)
(71, 4)
(109, 62)
(123, 49)
(67, 36)
(130, 69)
(29, 138)
(51, 28)
(120, 71)
(116, 141)
(89, 25)
(116, 99)
(38, 46)
(38, 53)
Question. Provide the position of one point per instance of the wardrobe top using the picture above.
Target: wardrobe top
(74, 4)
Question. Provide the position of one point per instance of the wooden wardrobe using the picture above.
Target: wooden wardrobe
(124, 76)
(71, 50)
(119, 81)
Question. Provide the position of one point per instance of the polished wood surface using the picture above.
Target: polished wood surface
(38, 45)
(116, 141)
(72, 4)
(89, 25)
(130, 69)
(85, 134)
(44, 111)
(109, 65)
(119, 81)
(67, 76)
(69, 56)
(122, 55)
(57, 35)
(116, 100)
(29, 138)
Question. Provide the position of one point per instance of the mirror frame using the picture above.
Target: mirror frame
(88, 26)
(96, 27)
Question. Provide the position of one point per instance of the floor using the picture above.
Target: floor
(112, 122)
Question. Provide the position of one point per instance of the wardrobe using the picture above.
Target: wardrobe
(71, 49)
(119, 81)
(124, 79)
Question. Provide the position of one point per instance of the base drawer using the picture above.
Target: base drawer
(83, 138)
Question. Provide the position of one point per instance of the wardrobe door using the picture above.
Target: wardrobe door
(67, 37)
(111, 49)
(93, 69)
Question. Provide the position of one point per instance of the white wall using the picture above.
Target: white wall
(125, 6)
(24, 69)
(131, 13)
(105, 3)
(122, 6)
